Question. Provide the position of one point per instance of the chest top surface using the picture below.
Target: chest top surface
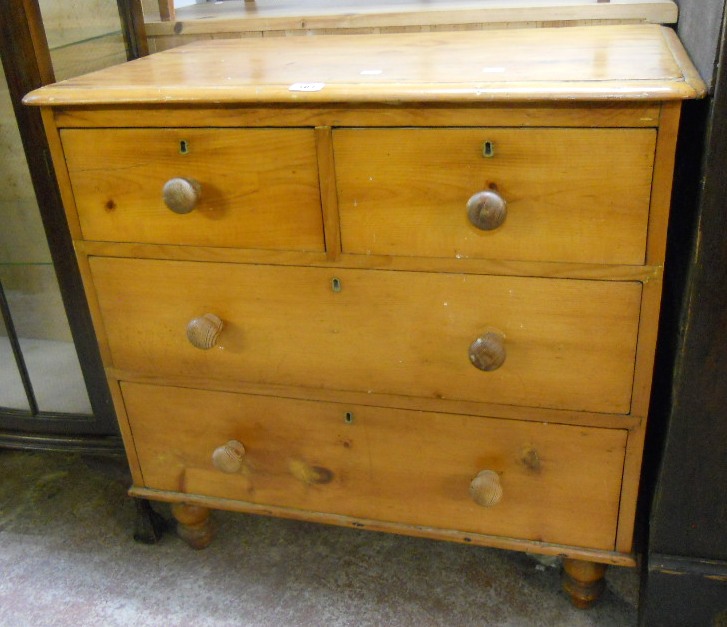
(633, 62)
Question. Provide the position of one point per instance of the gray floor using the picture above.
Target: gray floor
(67, 558)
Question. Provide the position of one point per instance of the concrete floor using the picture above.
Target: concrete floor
(67, 557)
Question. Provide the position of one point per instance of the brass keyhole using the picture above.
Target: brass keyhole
(183, 147)
(488, 149)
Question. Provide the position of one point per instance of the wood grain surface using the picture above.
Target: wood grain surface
(570, 344)
(259, 188)
(578, 195)
(560, 484)
(592, 63)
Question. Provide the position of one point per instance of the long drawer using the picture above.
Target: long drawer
(255, 188)
(557, 483)
(567, 344)
(576, 195)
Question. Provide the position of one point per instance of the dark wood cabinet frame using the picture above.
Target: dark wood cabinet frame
(684, 580)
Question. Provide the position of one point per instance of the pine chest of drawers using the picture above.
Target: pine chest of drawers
(407, 283)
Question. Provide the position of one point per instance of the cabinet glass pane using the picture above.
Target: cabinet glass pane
(83, 35)
(12, 394)
(31, 288)
(45, 340)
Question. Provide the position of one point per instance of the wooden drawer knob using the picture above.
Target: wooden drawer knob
(181, 195)
(487, 352)
(486, 210)
(486, 489)
(228, 457)
(203, 332)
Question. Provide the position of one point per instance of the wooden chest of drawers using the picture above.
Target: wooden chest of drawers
(407, 283)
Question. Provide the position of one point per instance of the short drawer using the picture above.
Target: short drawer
(559, 484)
(568, 344)
(255, 188)
(575, 195)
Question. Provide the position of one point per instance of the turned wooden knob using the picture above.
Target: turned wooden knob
(486, 489)
(228, 457)
(203, 332)
(486, 210)
(487, 352)
(181, 195)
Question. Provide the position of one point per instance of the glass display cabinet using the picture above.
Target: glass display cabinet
(49, 398)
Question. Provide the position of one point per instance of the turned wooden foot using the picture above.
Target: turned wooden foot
(583, 581)
(193, 524)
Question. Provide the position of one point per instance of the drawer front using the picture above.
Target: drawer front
(577, 195)
(560, 484)
(569, 344)
(257, 188)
